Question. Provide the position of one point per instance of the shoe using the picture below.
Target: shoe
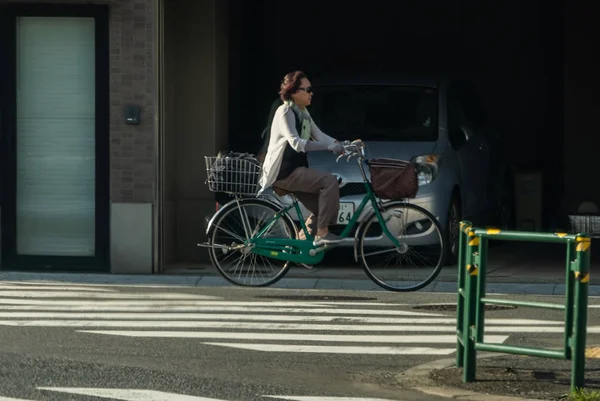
(328, 239)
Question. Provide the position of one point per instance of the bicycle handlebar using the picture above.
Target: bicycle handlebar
(354, 148)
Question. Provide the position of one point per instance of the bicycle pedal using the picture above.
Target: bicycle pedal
(314, 251)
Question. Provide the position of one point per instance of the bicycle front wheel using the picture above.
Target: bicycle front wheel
(417, 260)
(238, 222)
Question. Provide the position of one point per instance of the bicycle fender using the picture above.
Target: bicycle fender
(363, 223)
(233, 203)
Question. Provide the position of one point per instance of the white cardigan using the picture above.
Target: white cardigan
(283, 131)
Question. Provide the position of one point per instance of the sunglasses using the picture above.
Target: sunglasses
(308, 89)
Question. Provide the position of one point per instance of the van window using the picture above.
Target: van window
(377, 112)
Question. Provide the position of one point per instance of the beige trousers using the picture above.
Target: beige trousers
(318, 191)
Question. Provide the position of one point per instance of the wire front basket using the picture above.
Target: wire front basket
(233, 173)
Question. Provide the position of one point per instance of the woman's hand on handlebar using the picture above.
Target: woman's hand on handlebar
(336, 148)
(354, 148)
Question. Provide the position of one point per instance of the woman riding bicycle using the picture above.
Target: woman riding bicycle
(286, 164)
(254, 241)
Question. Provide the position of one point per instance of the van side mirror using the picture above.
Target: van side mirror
(467, 133)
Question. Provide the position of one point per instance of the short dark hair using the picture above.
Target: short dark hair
(290, 84)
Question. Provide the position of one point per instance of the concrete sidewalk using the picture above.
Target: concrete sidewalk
(512, 268)
(516, 279)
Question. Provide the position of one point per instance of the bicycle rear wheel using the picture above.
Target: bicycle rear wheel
(419, 258)
(236, 223)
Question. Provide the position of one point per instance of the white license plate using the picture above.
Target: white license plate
(345, 213)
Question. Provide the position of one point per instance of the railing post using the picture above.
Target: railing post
(582, 278)
(480, 310)
(460, 304)
(469, 367)
(569, 298)
(473, 253)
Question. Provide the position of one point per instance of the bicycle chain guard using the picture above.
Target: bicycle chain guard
(292, 250)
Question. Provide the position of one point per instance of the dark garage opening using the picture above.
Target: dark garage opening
(510, 51)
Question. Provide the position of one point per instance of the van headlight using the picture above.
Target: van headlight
(427, 167)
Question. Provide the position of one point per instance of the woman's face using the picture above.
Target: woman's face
(303, 95)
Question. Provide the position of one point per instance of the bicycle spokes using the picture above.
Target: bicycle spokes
(234, 231)
(412, 257)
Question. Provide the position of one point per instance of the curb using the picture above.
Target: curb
(420, 375)
(299, 283)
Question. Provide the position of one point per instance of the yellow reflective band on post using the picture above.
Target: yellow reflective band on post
(584, 243)
(584, 278)
(560, 235)
(583, 246)
(273, 253)
(493, 231)
(474, 242)
(472, 269)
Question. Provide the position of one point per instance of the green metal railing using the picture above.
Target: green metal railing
(470, 322)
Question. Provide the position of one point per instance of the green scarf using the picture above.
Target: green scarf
(304, 119)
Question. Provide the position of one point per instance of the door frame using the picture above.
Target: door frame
(158, 217)
(8, 131)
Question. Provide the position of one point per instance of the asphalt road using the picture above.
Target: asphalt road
(89, 342)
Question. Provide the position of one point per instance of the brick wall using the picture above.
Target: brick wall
(132, 82)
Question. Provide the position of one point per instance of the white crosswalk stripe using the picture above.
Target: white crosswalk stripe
(128, 394)
(319, 398)
(13, 399)
(153, 395)
(86, 294)
(265, 326)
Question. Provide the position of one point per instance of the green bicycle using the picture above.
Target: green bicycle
(253, 240)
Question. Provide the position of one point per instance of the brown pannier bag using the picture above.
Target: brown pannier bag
(393, 179)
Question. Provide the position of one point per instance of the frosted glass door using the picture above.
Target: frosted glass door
(55, 200)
